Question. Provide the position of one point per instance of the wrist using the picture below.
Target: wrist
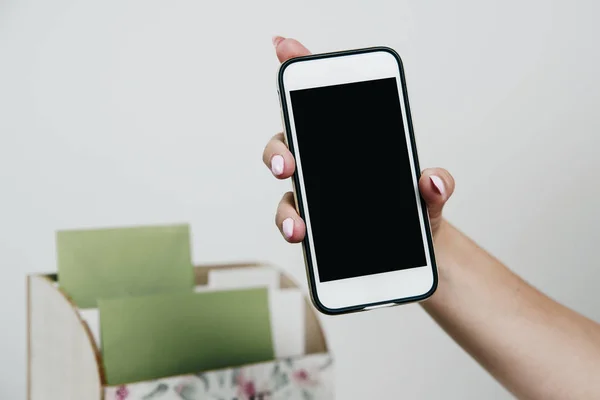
(443, 239)
(441, 230)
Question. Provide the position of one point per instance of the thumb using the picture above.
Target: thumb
(288, 48)
(436, 186)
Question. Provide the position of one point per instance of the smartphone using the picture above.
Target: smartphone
(347, 122)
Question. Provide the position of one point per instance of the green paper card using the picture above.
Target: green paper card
(104, 263)
(151, 337)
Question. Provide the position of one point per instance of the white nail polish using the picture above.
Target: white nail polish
(288, 227)
(277, 165)
(276, 40)
(438, 183)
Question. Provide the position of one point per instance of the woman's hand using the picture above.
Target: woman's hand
(436, 184)
(534, 346)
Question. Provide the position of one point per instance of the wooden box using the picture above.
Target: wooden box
(65, 363)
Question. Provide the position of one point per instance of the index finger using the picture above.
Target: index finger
(288, 48)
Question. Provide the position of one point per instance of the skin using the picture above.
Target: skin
(534, 346)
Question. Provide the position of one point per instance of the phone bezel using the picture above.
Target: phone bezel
(314, 285)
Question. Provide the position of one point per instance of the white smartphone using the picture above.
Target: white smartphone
(347, 122)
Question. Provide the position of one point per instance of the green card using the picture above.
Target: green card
(104, 263)
(157, 336)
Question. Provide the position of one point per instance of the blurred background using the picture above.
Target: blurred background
(131, 112)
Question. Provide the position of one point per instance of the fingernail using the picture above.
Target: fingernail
(288, 227)
(438, 183)
(277, 165)
(277, 40)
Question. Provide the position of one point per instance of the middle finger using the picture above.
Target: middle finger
(278, 158)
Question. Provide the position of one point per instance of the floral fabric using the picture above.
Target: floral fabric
(304, 378)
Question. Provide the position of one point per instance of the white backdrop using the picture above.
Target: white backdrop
(140, 112)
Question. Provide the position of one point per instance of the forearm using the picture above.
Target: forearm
(535, 347)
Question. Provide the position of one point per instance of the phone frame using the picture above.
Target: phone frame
(298, 195)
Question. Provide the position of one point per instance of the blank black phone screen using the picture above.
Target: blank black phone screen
(358, 183)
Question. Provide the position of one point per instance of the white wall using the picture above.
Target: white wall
(127, 112)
